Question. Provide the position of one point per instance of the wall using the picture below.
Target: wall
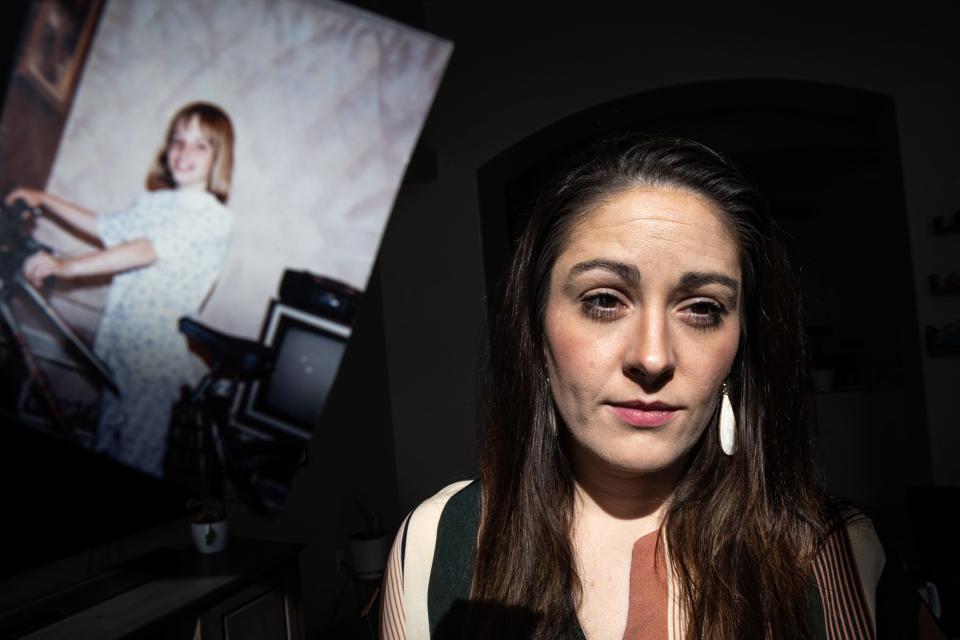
(520, 68)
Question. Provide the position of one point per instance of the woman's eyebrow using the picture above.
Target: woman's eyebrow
(629, 273)
(694, 279)
(624, 271)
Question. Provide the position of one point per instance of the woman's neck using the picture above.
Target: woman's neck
(608, 493)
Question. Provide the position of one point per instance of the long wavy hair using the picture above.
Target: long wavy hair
(741, 530)
(216, 126)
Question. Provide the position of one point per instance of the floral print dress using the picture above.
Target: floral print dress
(138, 336)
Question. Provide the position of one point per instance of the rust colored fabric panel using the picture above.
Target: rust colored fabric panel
(647, 612)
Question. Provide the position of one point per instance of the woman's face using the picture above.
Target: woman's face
(190, 156)
(642, 324)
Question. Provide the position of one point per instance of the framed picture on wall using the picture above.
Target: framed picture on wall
(57, 43)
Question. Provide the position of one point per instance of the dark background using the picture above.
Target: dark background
(848, 117)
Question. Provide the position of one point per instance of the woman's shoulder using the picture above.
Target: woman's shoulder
(418, 559)
(450, 503)
(856, 555)
(440, 499)
(865, 545)
(848, 567)
(853, 534)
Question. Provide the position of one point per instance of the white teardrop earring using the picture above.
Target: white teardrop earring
(728, 424)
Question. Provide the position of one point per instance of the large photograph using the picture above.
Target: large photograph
(180, 282)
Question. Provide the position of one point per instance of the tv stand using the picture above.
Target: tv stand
(251, 590)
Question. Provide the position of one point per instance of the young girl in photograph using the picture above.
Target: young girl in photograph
(165, 253)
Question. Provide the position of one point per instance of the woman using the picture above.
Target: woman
(165, 253)
(645, 468)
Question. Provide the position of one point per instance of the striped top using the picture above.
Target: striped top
(429, 572)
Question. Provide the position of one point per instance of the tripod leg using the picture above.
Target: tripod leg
(50, 314)
(34, 371)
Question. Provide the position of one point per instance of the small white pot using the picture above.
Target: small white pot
(369, 556)
(210, 537)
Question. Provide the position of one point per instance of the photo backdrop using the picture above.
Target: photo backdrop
(327, 102)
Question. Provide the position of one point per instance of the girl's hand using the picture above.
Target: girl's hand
(33, 197)
(41, 266)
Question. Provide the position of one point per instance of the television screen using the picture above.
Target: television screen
(173, 160)
(302, 376)
(307, 349)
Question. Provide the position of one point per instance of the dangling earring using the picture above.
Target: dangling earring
(728, 424)
(551, 411)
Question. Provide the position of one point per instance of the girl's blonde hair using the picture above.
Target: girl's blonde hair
(216, 126)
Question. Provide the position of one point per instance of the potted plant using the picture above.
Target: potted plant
(369, 547)
(209, 526)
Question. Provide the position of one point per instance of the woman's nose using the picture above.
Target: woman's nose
(649, 356)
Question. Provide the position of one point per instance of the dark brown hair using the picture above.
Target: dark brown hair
(741, 530)
(216, 126)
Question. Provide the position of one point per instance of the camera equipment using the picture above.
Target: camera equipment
(250, 417)
(204, 450)
(308, 349)
(16, 245)
(308, 329)
(320, 296)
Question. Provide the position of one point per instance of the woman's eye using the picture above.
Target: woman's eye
(601, 306)
(705, 313)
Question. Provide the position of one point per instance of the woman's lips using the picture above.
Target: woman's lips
(644, 415)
